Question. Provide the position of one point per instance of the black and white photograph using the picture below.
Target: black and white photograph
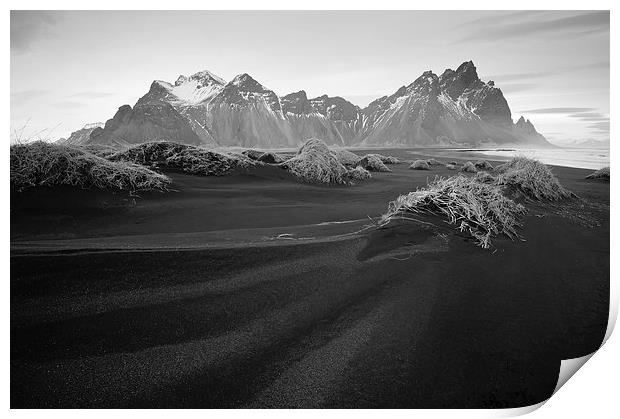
(306, 209)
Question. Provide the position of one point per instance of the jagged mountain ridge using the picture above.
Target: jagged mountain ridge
(454, 109)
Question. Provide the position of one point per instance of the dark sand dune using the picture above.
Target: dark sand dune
(209, 314)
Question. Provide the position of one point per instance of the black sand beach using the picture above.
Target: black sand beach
(254, 290)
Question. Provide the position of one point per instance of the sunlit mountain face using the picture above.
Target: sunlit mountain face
(454, 109)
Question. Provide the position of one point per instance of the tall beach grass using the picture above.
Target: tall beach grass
(181, 157)
(600, 174)
(531, 178)
(39, 163)
(316, 163)
(474, 207)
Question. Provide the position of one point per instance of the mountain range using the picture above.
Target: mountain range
(453, 109)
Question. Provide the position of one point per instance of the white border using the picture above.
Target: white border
(592, 393)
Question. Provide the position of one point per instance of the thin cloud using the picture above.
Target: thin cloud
(28, 27)
(69, 104)
(600, 64)
(91, 95)
(520, 77)
(25, 96)
(558, 110)
(590, 116)
(496, 19)
(579, 24)
(600, 126)
(601, 119)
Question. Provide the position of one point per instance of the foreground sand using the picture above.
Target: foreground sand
(240, 292)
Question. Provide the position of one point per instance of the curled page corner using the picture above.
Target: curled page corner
(569, 367)
(518, 411)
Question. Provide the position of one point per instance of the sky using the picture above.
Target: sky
(70, 68)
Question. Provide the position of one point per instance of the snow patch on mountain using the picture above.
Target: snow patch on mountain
(198, 88)
(93, 125)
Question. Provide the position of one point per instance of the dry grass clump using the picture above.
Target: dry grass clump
(346, 157)
(532, 178)
(240, 159)
(252, 154)
(420, 165)
(469, 167)
(600, 174)
(475, 207)
(100, 150)
(434, 162)
(270, 158)
(148, 154)
(390, 160)
(259, 156)
(451, 166)
(185, 158)
(485, 177)
(315, 163)
(359, 173)
(385, 159)
(373, 163)
(483, 165)
(44, 164)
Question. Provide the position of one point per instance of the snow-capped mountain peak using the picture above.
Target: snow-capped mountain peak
(205, 76)
(198, 88)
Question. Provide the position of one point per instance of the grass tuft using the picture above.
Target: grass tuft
(485, 177)
(346, 157)
(420, 165)
(259, 156)
(434, 162)
(184, 158)
(469, 167)
(471, 206)
(600, 174)
(315, 163)
(44, 164)
(384, 159)
(373, 163)
(359, 173)
(100, 150)
(483, 165)
(270, 158)
(389, 160)
(252, 154)
(531, 178)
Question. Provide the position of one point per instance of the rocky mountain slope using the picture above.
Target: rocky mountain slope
(332, 119)
(151, 121)
(454, 109)
(80, 136)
